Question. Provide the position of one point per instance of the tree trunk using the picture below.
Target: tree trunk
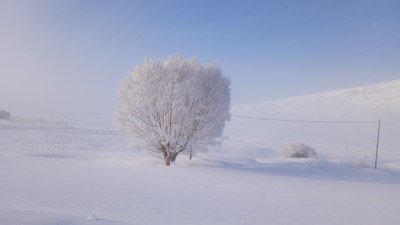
(169, 157)
(190, 152)
(168, 161)
(173, 156)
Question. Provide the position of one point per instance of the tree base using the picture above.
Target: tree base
(169, 157)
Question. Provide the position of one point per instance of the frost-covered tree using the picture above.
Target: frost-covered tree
(174, 105)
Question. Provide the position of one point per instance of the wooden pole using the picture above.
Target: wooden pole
(377, 143)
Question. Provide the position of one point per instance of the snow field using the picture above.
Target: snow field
(38, 190)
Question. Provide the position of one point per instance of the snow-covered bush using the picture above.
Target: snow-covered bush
(299, 150)
(173, 105)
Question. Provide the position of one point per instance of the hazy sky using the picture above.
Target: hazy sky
(71, 55)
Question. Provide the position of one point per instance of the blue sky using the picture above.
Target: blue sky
(71, 55)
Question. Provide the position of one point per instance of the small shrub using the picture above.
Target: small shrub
(299, 150)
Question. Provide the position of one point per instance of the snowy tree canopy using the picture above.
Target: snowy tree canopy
(174, 104)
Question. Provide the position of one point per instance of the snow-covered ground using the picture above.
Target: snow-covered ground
(55, 176)
(37, 190)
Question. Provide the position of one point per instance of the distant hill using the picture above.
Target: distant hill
(372, 102)
(366, 103)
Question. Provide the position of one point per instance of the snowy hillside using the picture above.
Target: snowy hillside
(373, 102)
(353, 140)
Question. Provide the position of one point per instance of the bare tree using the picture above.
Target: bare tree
(173, 105)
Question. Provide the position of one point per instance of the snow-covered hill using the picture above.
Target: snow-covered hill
(372, 102)
(352, 140)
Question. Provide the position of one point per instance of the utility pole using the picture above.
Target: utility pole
(377, 143)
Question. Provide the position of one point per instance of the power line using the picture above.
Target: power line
(60, 113)
(303, 121)
(237, 116)
(391, 124)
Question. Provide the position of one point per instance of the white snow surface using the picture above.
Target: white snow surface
(56, 176)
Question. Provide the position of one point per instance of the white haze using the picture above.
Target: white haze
(44, 69)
